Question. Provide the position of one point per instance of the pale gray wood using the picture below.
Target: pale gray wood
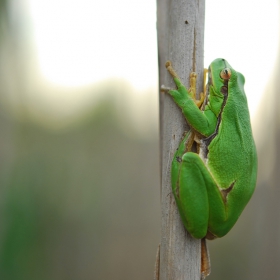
(180, 25)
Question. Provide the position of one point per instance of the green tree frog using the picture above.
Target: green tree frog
(212, 187)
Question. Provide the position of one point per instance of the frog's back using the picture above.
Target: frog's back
(232, 153)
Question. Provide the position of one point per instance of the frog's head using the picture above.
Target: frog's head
(219, 74)
(222, 76)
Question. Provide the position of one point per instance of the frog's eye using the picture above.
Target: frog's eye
(225, 74)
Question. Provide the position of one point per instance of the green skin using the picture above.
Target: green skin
(213, 186)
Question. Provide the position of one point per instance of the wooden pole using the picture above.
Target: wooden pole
(180, 25)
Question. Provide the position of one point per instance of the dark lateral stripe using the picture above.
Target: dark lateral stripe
(225, 192)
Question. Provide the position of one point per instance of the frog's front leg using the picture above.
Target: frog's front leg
(192, 90)
(201, 121)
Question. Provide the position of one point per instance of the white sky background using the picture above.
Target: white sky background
(84, 41)
(81, 42)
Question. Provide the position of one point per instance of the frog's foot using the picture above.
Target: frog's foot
(200, 101)
(205, 76)
(205, 88)
(172, 73)
(171, 70)
(192, 90)
(165, 89)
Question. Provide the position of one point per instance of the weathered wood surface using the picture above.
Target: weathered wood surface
(180, 25)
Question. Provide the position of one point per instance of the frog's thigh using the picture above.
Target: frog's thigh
(193, 196)
(202, 203)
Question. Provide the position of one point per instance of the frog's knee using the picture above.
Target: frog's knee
(190, 157)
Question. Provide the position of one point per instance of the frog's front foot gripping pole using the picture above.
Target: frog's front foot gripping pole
(172, 73)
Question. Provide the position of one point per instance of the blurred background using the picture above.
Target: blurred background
(79, 150)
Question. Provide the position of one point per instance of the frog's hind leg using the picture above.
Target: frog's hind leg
(185, 146)
(198, 198)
